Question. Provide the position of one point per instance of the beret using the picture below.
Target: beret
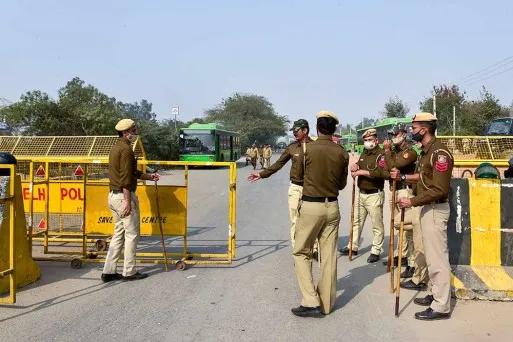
(422, 117)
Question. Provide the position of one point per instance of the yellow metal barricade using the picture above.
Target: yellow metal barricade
(11, 270)
(71, 210)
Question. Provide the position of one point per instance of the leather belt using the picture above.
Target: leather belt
(318, 199)
(440, 201)
(297, 183)
(403, 186)
(368, 192)
(116, 191)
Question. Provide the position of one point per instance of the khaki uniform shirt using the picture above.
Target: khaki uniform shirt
(403, 158)
(326, 168)
(123, 173)
(435, 169)
(253, 152)
(268, 152)
(374, 162)
(293, 152)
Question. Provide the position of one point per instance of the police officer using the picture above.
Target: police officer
(253, 155)
(123, 204)
(400, 155)
(371, 171)
(319, 216)
(267, 153)
(295, 153)
(433, 175)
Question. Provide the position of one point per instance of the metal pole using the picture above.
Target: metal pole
(453, 120)
(434, 103)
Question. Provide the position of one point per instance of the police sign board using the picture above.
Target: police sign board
(172, 207)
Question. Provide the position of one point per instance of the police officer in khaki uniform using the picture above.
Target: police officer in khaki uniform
(123, 204)
(400, 155)
(253, 155)
(371, 171)
(261, 156)
(319, 217)
(267, 153)
(433, 175)
(293, 152)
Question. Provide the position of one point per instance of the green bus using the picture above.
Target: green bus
(348, 141)
(208, 142)
(382, 127)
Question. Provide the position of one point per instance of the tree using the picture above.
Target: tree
(252, 116)
(475, 115)
(366, 122)
(395, 108)
(446, 98)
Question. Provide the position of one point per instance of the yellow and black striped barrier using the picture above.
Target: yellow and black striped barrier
(480, 235)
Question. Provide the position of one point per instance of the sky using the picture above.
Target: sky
(303, 56)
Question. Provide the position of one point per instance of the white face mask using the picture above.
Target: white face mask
(369, 145)
(398, 140)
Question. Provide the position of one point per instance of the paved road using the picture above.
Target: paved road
(247, 301)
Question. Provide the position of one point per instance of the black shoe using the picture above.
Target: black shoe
(373, 258)
(404, 261)
(345, 251)
(106, 277)
(303, 311)
(135, 276)
(410, 285)
(408, 272)
(425, 301)
(431, 315)
(315, 256)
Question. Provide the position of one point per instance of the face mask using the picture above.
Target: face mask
(369, 145)
(417, 136)
(398, 141)
(132, 138)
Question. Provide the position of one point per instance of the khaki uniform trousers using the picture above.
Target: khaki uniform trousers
(295, 194)
(372, 205)
(420, 274)
(317, 221)
(267, 162)
(433, 220)
(126, 232)
(408, 227)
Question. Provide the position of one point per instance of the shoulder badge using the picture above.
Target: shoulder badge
(441, 164)
(405, 155)
(382, 162)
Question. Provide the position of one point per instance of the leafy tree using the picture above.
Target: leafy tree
(347, 129)
(366, 122)
(475, 115)
(252, 116)
(395, 108)
(446, 98)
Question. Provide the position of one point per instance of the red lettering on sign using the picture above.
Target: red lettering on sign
(41, 194)
(26, 193)
(64, 193)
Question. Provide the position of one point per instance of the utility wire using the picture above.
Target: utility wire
(506, 62)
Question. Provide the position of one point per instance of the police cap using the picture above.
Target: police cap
(124, 124)
(423, 117)
(368, 133)
(327, 114)
(301, 123)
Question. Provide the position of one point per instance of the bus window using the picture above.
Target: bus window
(197, 144)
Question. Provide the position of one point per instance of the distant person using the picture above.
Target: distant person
(261, 156)
(247, 154)
(268, 152)
(124, 205)
(253, 155)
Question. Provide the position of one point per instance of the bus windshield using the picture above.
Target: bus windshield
(499, 126)
(197, 144)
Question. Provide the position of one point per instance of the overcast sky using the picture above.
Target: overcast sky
(304, 56)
